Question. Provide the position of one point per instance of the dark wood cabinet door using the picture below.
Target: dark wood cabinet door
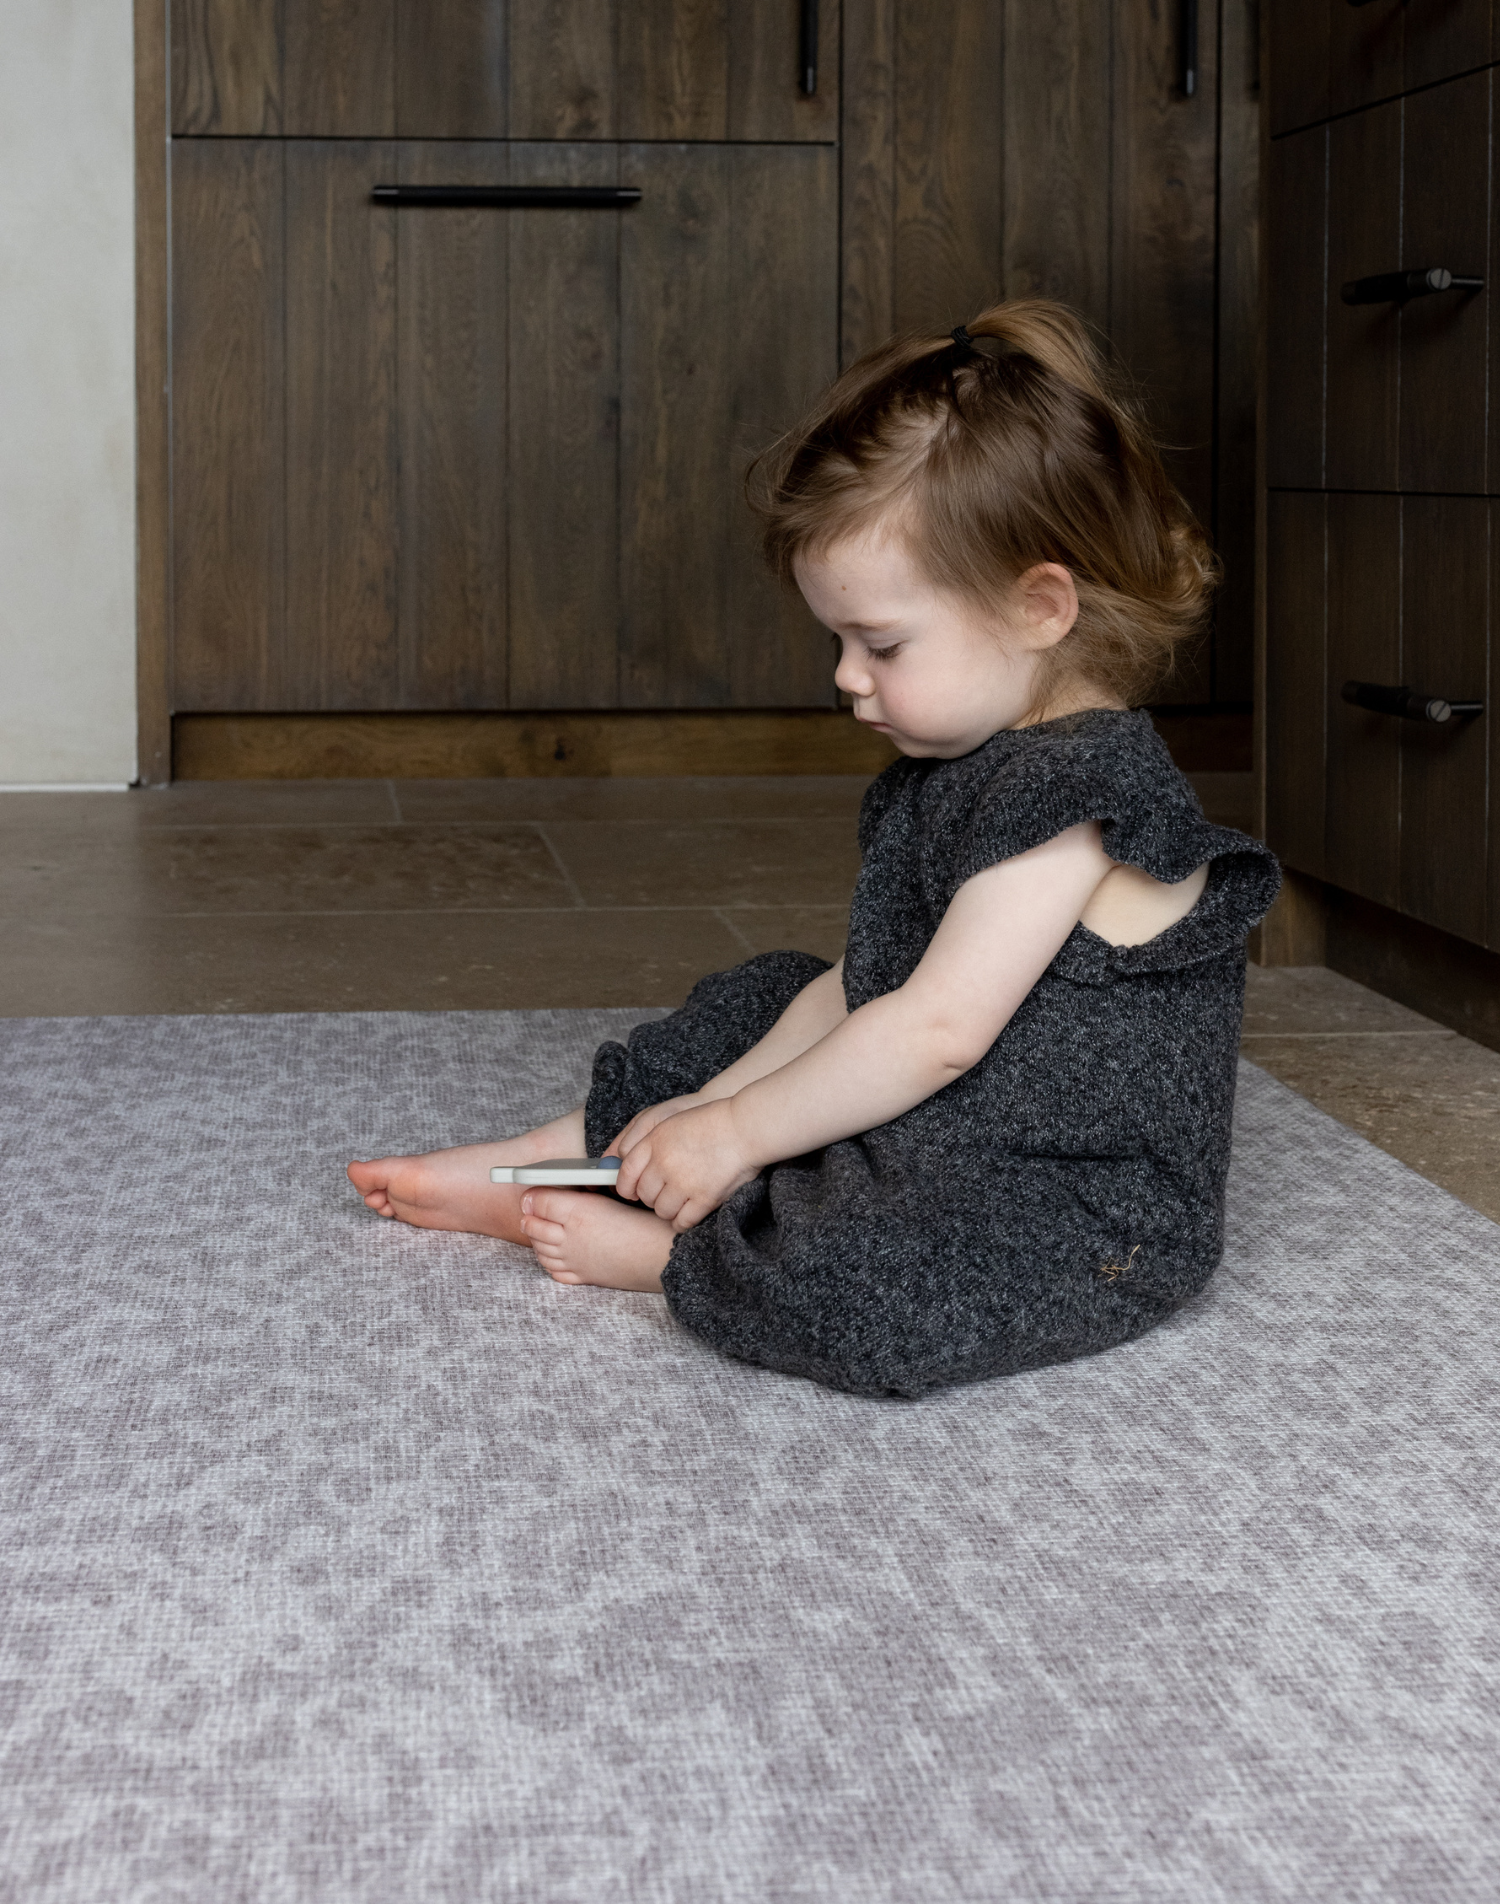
(1364, 240)
(481, 457)
(1296, 676)
(503, 69)
(1363, 837)
(1296, 309)
(1445, 218)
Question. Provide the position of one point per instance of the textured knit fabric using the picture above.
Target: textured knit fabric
(1064, 1195)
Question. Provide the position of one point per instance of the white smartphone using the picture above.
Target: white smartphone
(596, 1173)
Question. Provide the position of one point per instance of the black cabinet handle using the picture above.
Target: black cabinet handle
(1395, 287)
(807, 49)
(1188, 38)
(553, 197)
(1408, 703)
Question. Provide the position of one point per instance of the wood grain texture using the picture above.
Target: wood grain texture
(1445, 217)
(1364, 644)
(678, 341)
(1297, 296)
(452, 326)
(1295, 930)
(949, 156)
(1445, 650)
(1296, 677)
(339, 69)
(452, 77)
(1296, 43)
(1364, 238)
(228, 445)
(563, 60)
(226, 67)
(674, 69)
(1237, 380)
(1492, 727)
(867, 180)
(153, 466)
(1056, 159)
(1162, 296)
(1365, 48)
(1441, 38)
(481, 746)
(766, 101)
(783, 292)
(341, 647)
(564, 436)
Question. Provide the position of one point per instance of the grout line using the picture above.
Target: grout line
(557, 860)
(1437, 1031)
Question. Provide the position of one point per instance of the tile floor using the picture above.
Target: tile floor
(469, 894)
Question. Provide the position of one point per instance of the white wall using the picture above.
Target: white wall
(67, 393)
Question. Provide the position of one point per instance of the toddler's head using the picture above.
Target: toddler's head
(985, 524)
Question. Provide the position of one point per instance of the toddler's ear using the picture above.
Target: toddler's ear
(1049, 604)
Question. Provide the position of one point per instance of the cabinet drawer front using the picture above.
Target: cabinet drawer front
(1364, 239)
(1296, 309)
(1332, 56)
(1296, 673)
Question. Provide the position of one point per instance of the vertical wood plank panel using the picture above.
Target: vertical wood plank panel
(783, 290)
(1364, 237)
(340, 649)
(766, 101)
(867, 301)
(1364, 53)
(227, 436)
(1492, 729)
(451, 389)
(564, 435)
(1056, 156)
(1364, 644)
(1238, 378)
(452, 76)
(226, 67)
(153, 452)
(677, 341)
(339, 69)
(1296, 62)
(1445, 217)
(563, 58)
(1296, 676)
(1162, 312)
(1444, 641)
(1296, 309)
(948, 164)
(674, 69)
(1440, 39)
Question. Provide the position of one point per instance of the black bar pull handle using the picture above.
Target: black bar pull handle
(546, 197)
(1396, 287)
(1409, 704)
(807, 49)
(1188, 39)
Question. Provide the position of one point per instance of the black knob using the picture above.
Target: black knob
(1398, 287)
(1409, 704)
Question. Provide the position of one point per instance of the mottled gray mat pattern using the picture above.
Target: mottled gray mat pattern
(344, 1562)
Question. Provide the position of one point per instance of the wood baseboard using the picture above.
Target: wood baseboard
(508, 746)
(1295, 930)
(1445, 978)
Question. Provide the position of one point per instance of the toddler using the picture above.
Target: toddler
(995, 1134)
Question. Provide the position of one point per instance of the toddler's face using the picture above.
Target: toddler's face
(921, 663)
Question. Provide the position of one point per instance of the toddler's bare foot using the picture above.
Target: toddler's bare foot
(580, 1237)
(451, 1189)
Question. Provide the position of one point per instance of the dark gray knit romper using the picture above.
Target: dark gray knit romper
(1065, 1194)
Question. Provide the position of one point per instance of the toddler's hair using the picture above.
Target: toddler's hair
(989, 456)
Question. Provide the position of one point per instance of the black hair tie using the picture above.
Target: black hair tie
(962, 339)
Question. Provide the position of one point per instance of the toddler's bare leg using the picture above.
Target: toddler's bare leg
(451, 1189)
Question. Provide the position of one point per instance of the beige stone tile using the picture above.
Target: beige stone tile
(201, 803)
(281, 869)
(710, 863)
(820, 929)
(343, 962)
(1432, 1102)
(1309, 1000)
(655, 801)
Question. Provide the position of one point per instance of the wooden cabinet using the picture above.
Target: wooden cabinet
(1381, 513)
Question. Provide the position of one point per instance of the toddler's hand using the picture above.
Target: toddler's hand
(685, 1167)
(647, 1120)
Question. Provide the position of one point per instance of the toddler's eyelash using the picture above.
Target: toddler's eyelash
(883, 654)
